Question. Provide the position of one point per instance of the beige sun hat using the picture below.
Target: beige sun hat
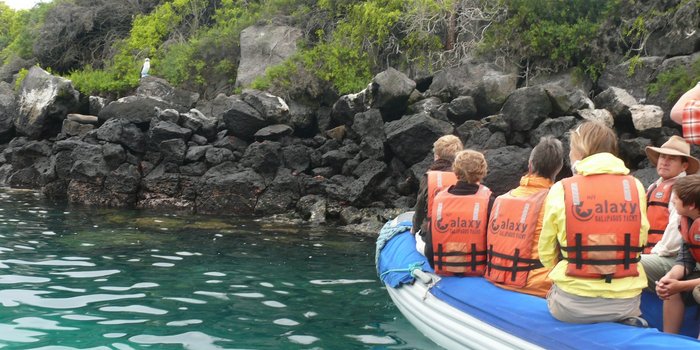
(675, 146)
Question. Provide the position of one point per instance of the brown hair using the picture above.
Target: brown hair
(687, 189)
(446, 147)
(591, 137)
(547, 158)
(470, 166)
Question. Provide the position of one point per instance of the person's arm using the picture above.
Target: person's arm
(673, 283)
(644, 229)
(553, 221)
(420, 209)
(677, 110)
(671, 240)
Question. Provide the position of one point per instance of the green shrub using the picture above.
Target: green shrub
(674, 82)
(347, 58)
(20, 78)
(551, 33)
(22, 28)
(91, 81)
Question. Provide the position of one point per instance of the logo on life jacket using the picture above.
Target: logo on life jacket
(458, 226)
(582, 215)
(508, 225)
(607, 211)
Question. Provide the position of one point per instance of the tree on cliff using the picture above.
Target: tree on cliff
(100, 44)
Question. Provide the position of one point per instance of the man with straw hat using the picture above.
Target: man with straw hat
(672, 161)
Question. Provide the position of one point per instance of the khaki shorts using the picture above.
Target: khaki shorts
(656, 267)
(571, 308)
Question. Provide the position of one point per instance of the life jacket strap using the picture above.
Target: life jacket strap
(606, 261)
(515, 268)
(626, 261)
(477, 258)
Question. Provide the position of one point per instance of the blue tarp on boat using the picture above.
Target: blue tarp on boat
(527, 316)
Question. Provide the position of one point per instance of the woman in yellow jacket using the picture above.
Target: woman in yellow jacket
(596, 222)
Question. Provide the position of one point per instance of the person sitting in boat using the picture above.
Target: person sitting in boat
(676, 287)
(686, 112)
(515, 223)
(438, 177)
(672, 161)
(456, 241)
(596, 221)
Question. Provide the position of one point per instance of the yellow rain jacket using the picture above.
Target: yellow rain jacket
(553, 236)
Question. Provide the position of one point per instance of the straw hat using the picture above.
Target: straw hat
(675, 146)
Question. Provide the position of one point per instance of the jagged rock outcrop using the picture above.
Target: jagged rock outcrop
(44, 101)
(136, 109)
(245, 154)
(8, 110)
(158, 88)
(401, 136)
(389, 91)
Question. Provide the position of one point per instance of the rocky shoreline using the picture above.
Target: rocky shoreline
(355, 163)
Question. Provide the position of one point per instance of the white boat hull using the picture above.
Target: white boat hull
(449, 327)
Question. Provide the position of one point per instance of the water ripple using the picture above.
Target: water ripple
(285, 322)
(217, 295)
(47, 262)
(183, 323)
(249, 295)
(87, 274)
(189, 340)
(135, 286)
(66, 289)
(373, 339)
(15, 297)
(139, 309)
(303, 339)
(339, 281)
(119, 322)
(275, 304)
(10, 333)
(12, 279)
(167, 257)
(187, 300)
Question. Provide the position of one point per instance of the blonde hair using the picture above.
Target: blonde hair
(591, 138)
(470, 166)
(447, 146)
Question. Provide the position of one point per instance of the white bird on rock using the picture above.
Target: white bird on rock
(145, 68)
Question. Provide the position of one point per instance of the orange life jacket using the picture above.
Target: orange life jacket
(690, 231)
(438, 181)
(603, 220)
(510, 238)
(658, 199)
(458, 229)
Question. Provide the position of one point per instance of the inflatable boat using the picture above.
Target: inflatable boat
(472, 313)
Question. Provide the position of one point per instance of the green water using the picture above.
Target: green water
(80, 278)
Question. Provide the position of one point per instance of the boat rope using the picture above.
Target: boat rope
(411, 267)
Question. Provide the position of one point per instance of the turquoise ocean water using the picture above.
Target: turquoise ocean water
(79, 278)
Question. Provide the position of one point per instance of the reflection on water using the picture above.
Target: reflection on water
(76, 278)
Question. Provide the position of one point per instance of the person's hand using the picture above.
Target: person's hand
(662, 287)
(667, 287)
